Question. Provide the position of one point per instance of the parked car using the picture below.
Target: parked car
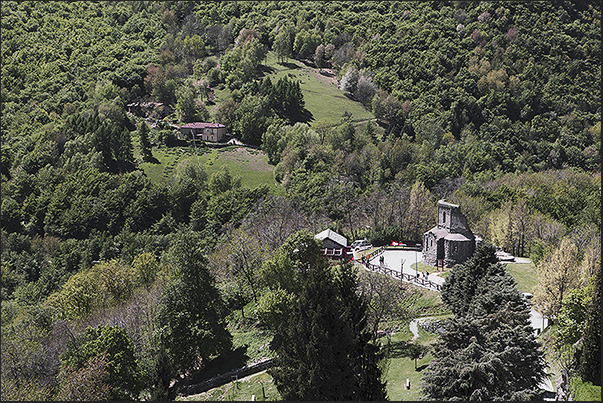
(360, 244)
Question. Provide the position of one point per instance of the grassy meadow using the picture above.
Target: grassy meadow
(525, 274)
(323, 99)
(249, 164)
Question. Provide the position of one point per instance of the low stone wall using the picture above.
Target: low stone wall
(222, 379)
(432, 325)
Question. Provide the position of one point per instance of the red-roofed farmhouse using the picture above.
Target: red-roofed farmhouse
(204, 131)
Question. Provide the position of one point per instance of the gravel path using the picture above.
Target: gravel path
(414, 328)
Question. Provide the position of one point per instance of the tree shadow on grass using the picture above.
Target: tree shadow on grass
(422, 367)
(152, 160)
(398, 349)
(303, 116)
(265, 70)
(288, 65)
(226, 362)
(178, 143)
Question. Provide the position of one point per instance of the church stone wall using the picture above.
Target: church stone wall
(457, 251)
(429, 253)
(436, 243)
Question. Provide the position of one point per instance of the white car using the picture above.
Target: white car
(360, 244)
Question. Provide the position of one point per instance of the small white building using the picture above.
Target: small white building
(333, 245)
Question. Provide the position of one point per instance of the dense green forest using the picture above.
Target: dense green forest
(494, 106)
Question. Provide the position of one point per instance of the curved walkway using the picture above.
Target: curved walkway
(414, 326)
(396, 262)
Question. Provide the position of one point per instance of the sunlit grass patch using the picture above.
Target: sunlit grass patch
(525, 274)
(259, 386)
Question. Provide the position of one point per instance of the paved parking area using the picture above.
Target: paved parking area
(397, 258)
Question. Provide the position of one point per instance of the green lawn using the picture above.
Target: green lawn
(251, 344)
(247, 163)
(258, 385)
(401, 367)
(423, 267)
(323, 99)
(525, 274)
(168, 158)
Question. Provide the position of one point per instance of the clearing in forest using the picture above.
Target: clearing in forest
(322, 96)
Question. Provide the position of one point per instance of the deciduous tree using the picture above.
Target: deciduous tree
(104, 348)
(283, 45)
(383, 295)
(558, 273)
(420, 211)
(88, 383)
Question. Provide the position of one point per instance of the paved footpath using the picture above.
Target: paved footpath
(393, 258)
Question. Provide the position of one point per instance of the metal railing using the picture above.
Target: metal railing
(415, 279)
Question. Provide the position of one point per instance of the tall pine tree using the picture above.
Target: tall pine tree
(191, 310)
(145, 144)
(459, 288)
(325, 353)
(590, 357)
(488, 351)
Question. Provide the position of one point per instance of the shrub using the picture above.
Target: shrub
(584, 391)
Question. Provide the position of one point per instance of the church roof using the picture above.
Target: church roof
(439, 232)
(456, 237)
(443, 202)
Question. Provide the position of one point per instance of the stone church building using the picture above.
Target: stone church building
(451, 241)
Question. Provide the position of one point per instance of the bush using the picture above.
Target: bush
(584, 391)
(167, 137)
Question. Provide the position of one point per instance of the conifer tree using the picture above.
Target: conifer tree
(488, 351)
(191, 310)
(325, 353)
(459, 288)
(367, 357)
(145, 144)
(590, 357)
